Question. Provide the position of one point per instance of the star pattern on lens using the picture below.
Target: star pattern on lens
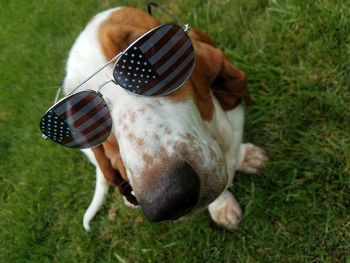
(54, 128)
(134, 71)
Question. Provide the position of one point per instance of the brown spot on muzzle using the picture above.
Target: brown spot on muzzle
(148, 159)
(133, 116)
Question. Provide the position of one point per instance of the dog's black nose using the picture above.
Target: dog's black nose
(173, 195)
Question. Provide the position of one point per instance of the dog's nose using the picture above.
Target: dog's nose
(173, 195)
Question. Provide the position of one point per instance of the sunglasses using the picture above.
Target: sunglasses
(156, 64)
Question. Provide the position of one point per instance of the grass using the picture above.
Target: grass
(297, 56)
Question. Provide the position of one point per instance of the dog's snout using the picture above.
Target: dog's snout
(174, 194)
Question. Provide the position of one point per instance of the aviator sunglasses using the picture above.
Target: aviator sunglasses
(157, 63)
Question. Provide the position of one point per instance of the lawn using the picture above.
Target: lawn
(297, 56)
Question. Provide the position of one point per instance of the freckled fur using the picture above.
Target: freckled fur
(152, 134)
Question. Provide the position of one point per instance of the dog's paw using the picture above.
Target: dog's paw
(226, 211)
(253, 159)
(128, 204)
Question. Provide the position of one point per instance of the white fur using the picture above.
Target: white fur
(154, 118)
(101, 190)
(252, 158)
(225, 210)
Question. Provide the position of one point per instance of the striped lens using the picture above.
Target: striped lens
(81, 120)
(158, 63)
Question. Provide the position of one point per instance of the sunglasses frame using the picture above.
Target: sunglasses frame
(185, 28)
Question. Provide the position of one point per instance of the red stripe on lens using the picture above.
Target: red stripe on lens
(175, 79)
(72, 110)
(144, 38)
(97, 123)
(100, 106)
(168, 71)
(93, 138)
(168, 55)
(161, 42)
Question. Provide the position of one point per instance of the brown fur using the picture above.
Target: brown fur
(213, 72)
(108, 158)
(122, 28)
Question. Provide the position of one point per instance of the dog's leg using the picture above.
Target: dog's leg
(101, 190)
(226, 211)
(251, 159)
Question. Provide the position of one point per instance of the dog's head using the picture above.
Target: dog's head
(169, 148)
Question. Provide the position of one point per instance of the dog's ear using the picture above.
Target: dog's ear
(217, 72)
(122, 28)
(108, 158)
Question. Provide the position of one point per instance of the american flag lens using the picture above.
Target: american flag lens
(81, 120)
(157, 63)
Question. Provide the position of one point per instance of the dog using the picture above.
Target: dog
(170, 155)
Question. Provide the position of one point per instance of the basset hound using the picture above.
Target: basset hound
(172, 154)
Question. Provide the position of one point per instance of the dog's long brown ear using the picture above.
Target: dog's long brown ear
(112, 167)
(227, 82)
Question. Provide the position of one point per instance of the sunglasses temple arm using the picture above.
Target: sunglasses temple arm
(58, 94)
(186, 27)
(90, 77)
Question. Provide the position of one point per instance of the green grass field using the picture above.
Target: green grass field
(297, 56)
